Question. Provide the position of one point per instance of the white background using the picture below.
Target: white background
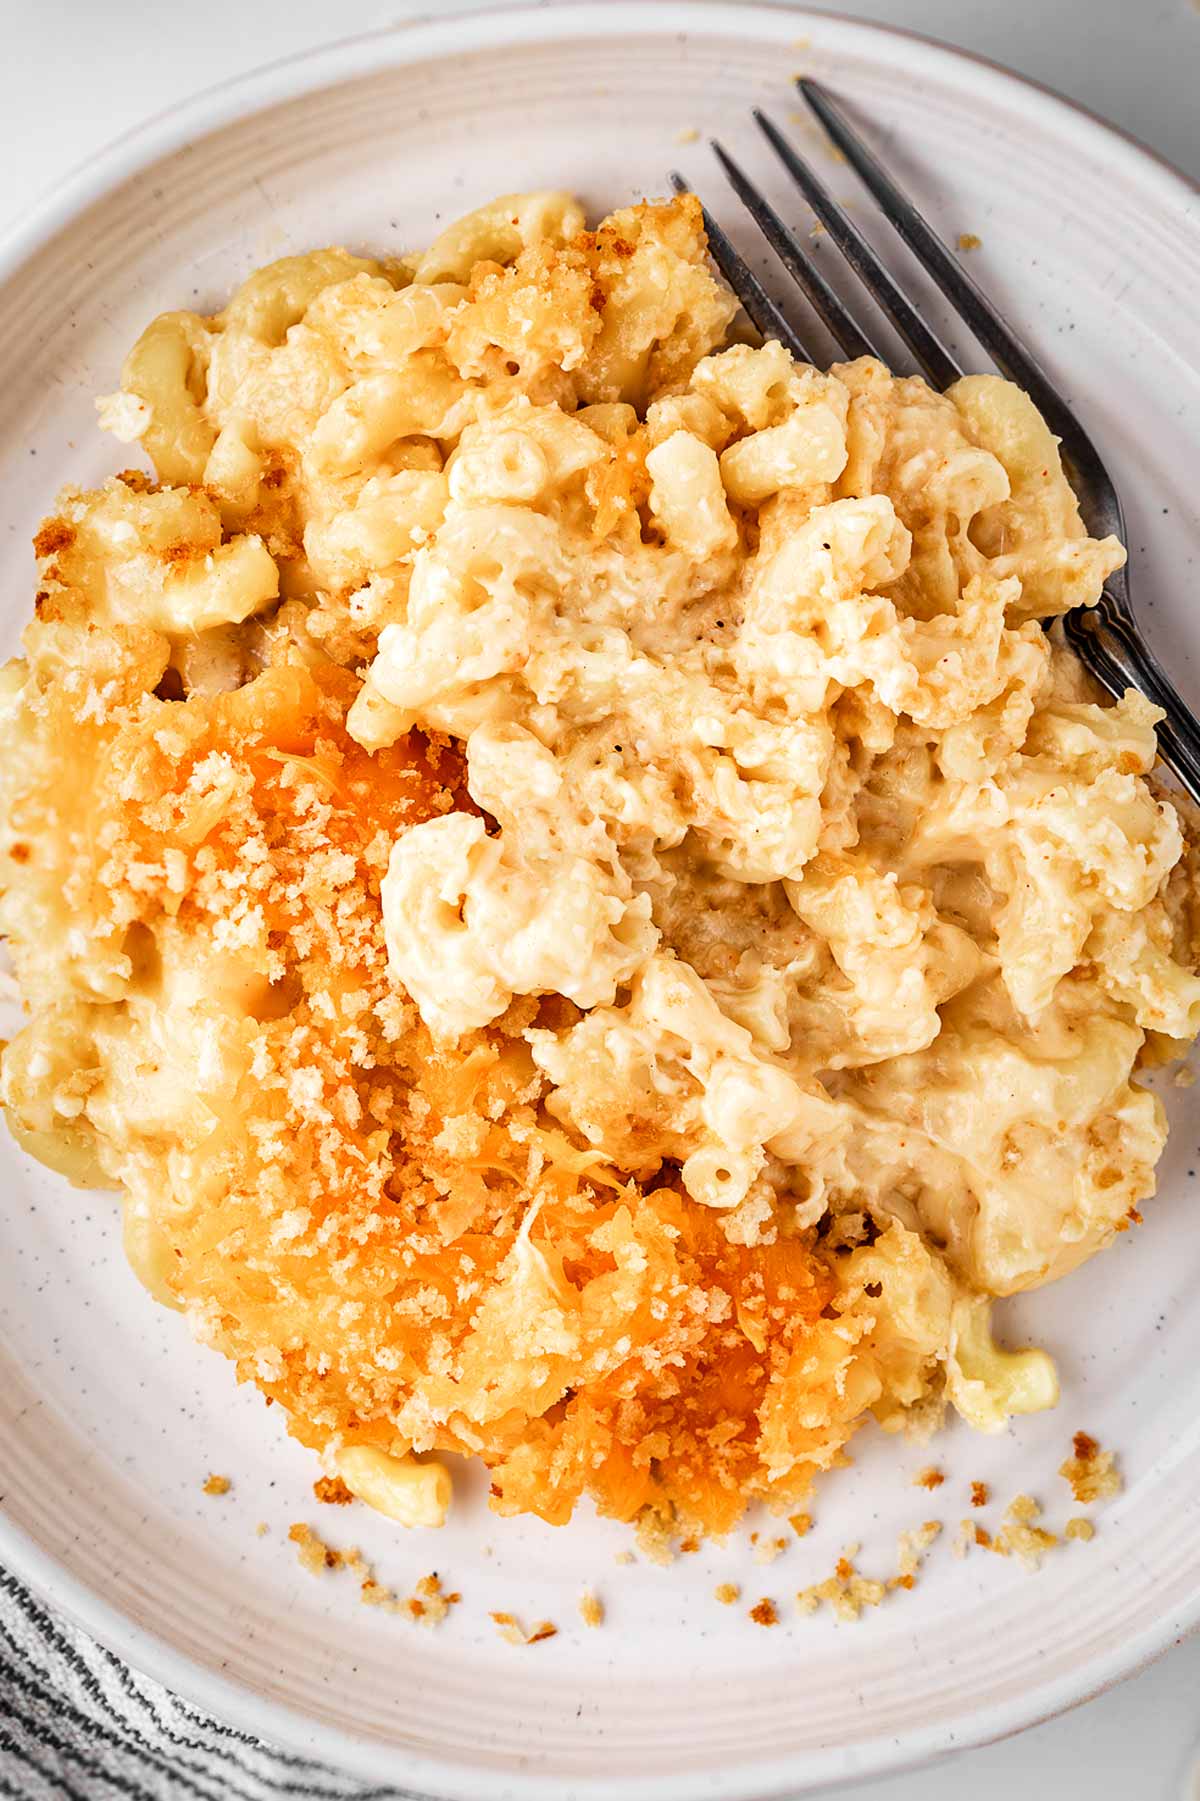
(80, 72)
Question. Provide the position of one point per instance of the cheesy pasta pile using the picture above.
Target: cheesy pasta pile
(554, 863)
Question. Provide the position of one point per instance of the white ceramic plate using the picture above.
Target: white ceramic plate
(110, 1418)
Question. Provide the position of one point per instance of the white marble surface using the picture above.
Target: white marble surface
(79, 72)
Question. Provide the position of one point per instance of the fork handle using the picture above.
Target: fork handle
(1110, 646)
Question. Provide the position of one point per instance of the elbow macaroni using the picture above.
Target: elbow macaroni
(411, 1493)
(557, 868)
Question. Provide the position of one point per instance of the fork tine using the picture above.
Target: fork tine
(764, 315)
(971, 304)
(846, 333)
(1089, 476)
(931, 354)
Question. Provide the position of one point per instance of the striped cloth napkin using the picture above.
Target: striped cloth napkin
(77, 1725)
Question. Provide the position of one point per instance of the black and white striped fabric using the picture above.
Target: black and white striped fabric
(77, 1725)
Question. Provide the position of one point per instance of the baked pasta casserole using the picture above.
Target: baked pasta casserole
(557, 865)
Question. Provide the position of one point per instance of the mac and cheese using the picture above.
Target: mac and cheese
(554, 863)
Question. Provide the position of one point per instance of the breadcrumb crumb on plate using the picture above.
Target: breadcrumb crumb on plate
(1092, 1472)
(217, 1485)
(912, 1548)
(1021, 1536)
(513, 1633)
(332, 1491)
(314, 1554)
(591, 1608)
(428, 1605)
(846, 1592)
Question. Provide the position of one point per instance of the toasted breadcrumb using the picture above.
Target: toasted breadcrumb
(261, 1530)
(766, 1550)
(1091, 1472)
(689, 135)
(513, 1633)
(333, 1491)
(967, 240)
(315, 1555)
(765, 1613)
(655, 1539)
(727, 1593)
(981, 1494)
(928, 1478)
(591, 1608)
(428, 1604)
(800, 1523)
(969, 1536)
(1021, 1536)
(217, 1485)
(1079, 1528)
(912, 1548)
(846, 1592)
(624, 1557)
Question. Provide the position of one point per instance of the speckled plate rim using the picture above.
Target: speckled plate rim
(289, 79)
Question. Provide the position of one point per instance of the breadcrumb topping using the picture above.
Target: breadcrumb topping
(217, 1485)
(656, 1539)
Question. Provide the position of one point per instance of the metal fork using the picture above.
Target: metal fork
(1105, 637)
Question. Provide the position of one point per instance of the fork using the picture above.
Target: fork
(1105, 637)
